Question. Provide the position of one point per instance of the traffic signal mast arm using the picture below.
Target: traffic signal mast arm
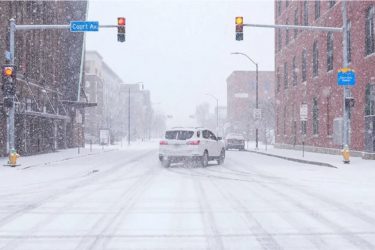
(54, 26)
(298, 27)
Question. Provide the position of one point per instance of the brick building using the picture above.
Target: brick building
(241, 86)
(306, 73)
(48, 76)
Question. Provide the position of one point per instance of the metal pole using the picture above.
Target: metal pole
(256, 106)
(11, 117)
(298, 27)
(346, 124)
(129, 118)
(217, 117)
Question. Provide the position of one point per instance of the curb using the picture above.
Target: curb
(66, 159)
(323, 164)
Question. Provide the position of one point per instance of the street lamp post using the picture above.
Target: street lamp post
(217, 113)
(129, 110)
(256, 92)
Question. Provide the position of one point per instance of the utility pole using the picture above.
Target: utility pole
(346, 108)
(10, 122)
(217, 113)
(129, 118)
(256, 107)
(256, 94)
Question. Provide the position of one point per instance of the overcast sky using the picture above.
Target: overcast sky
(181, 49)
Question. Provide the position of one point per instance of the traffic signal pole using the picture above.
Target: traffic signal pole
(344, 31)
(13, 27)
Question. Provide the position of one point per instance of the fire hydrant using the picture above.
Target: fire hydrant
(13, 158)
(346, 154)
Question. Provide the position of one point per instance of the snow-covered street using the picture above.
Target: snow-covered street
(124, 199)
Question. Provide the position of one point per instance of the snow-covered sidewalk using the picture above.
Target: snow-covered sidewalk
(334, 160)
(72, 153)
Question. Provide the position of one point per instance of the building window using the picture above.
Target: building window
(349, 42)
(295, 23)
(315, 118)
(317, 9)
(279, 40)
(369, 26)
(370, 99)
(294, 72)
(287, 33)
(328, 122)
(285, 75)
(305, 13)
(331, 3)
(315, 59)
(304, 62)
(277, 80)
(329, 51)
(278, 3)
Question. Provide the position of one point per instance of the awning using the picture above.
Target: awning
(79, 104)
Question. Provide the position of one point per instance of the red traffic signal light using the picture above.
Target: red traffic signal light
(121, 21)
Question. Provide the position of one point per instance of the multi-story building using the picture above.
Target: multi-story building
(140, 110)
(48, 76)
(102, 86)
(241, 96)
(306, 71)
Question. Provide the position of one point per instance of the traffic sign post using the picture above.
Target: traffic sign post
(346, 77)
(303, 112)
(257, 114)
(84, 26)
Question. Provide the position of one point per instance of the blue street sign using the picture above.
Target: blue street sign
(346, 78)
(83, 26)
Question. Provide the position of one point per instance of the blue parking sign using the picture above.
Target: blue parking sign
(346, 78)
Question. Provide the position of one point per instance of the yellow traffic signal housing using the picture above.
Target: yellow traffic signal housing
(239, 28)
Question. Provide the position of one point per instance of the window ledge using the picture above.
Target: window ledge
(370, 55)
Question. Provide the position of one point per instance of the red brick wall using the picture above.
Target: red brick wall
(326, 83)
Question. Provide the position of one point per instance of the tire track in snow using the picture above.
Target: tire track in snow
(108, 223)
(346, 234)
(35, 204)
(213, 237)
(51, 216)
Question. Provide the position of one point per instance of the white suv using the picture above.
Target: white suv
(196, 144)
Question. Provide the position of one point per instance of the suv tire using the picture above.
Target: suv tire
(221, 158)
(204, 159)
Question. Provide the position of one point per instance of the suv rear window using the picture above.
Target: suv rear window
(179, 134)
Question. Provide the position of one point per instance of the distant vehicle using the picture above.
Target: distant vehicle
(235, 141)
(199, 145)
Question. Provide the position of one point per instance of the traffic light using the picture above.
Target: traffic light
(349, 102)
(239, 28)
(121, 21)
(8, 73)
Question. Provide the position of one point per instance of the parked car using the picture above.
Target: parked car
(198, 145)
(235, 141)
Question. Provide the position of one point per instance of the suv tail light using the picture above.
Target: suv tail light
(197, 142)
(163, 143)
